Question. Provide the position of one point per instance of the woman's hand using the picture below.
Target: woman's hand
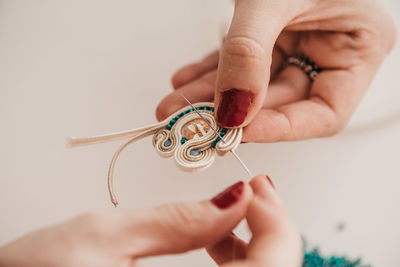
(121, 238)
(275, 240)
(251, 86)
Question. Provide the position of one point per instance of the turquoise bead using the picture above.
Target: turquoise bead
(222, 133)
(167, 143)
(194, 152)
(169, 126)
(172, 121)
(218, 139)
(183, 140)
(213, 144)
(198, 108)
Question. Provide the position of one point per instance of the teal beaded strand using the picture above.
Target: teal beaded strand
(222, 133)
(174, 120)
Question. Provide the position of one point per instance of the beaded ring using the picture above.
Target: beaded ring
(308, 66)
(184, 136)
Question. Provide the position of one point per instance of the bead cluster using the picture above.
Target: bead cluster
(174, 120)
(183, 139)
(314, 259)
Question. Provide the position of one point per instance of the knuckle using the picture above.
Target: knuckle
(242, 52)
(187, 222)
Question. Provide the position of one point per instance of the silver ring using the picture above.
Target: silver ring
(304, 63)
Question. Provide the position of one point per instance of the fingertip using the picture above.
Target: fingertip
(264, 188)
(200, 90)
(195, 70)
(161, 113)
(247, 194)
(260, 182)
(169, 105)
(182, 76)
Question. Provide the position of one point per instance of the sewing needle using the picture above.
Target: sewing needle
(222, 139)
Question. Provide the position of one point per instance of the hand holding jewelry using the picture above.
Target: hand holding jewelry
(184, 136)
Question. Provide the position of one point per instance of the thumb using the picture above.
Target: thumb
(179, 227)
(244, 66)
(274, 234)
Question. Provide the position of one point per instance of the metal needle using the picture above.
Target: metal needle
(222, 139)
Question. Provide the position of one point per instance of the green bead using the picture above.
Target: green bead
(183, 140)
(183, 113)
(213, 144)
(212, 109)
(191, 110)
(197, 108)
(177, 117)
(169, 126)
(222, 133)
(218, 139)
(172, 121)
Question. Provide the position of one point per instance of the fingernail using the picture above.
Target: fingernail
(233, 108)
(270, 181)
(229, 196)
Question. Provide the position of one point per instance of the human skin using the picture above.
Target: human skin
(121, 238)
(348, 39)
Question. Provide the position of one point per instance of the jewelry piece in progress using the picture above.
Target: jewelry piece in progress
(219, 135)
(184, 136)
(308, 66)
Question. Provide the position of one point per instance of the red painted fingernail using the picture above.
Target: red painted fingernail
(229, 196)
(270, 181)
(233, 108)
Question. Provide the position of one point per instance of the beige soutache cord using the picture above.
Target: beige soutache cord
(180, 153)
(110, 177)
(82, 141)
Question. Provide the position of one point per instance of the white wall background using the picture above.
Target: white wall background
(90, 67)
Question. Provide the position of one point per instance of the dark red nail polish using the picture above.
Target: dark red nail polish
(270, 181)
(233, 108)
(229, 196)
